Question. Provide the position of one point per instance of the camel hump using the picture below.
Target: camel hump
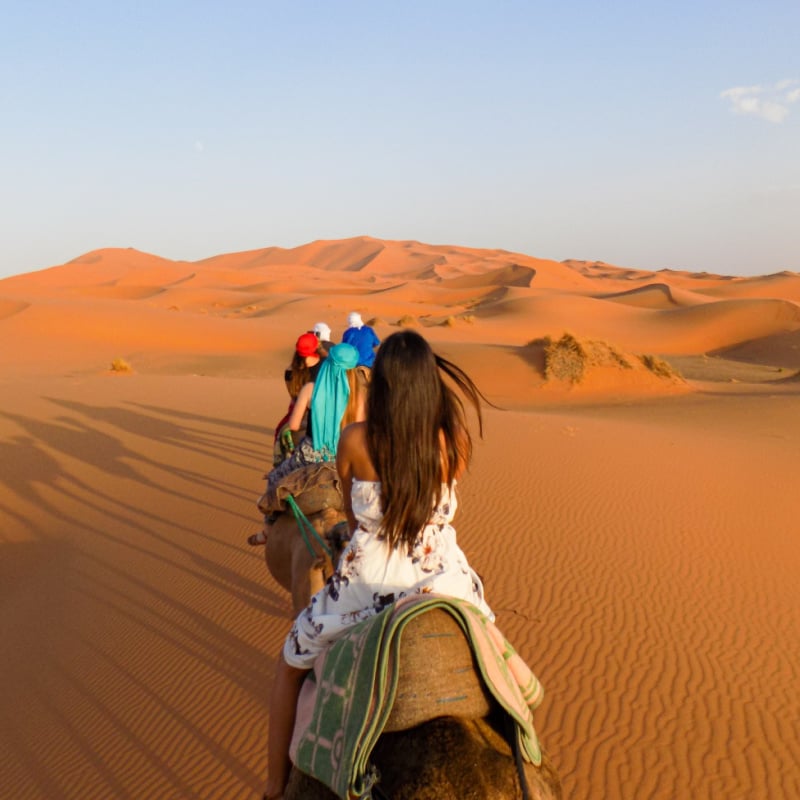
(314, 487)
(453, 688)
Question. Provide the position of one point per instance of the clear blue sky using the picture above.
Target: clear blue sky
(644, 134)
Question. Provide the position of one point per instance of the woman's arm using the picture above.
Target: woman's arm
(300, 406)
(344, 466)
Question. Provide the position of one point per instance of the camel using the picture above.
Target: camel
(290, 561)
(419, 755)
(462, 756)
(445, 759)
(299, 560)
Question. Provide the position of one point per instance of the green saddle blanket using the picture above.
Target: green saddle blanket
(356, 682)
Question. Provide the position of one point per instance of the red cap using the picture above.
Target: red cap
(307, 345)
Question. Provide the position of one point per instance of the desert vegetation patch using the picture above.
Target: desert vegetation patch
(658, 366)
(570, 360)
(120, 366)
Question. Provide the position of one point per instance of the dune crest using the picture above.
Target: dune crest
(262, 299)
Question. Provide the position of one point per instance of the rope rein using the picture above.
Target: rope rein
(307, 530)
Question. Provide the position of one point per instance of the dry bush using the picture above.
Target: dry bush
(120, 365)
(568, 358)
(603, 353)
(660, 367)
(565, 359)
(406, 321)
(470, 318)
(450, 322)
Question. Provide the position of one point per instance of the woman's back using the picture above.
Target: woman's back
(372, 574)
(365, 500)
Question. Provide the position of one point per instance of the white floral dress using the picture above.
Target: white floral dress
(370, 576)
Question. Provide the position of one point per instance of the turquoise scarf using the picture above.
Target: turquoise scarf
(330, 396)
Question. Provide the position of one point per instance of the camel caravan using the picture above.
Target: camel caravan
(394, 681)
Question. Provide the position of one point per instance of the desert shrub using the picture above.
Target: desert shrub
(660, 367)
(450, 322)
(406, 321)
(120, 365)
(569, 358)
(565, 359)
(605, 353)
(469, 318)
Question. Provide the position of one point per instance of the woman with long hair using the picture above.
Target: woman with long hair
(398, 470)
(306, 362)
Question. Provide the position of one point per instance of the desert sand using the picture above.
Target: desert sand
(636, 526)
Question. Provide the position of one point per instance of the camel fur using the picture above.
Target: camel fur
(445, 759)
(289, 560)
(316, 489)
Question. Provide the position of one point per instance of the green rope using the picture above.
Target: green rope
(307, 528)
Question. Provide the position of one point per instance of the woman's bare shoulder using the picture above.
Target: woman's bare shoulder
(353, 454)
(354, 435)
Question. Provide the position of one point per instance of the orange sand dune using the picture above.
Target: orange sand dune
(657, 296)
(636, 532)
(101, 268)
(607, 272)
(723, 324)
(780, 349)
(785, 285)
(10, 307)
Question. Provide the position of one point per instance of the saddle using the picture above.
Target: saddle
(453, 688)
(452, 663)
(314, 488)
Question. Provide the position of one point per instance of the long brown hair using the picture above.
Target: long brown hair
(417, 435)
(300, 375)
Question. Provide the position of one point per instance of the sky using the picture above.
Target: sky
(644, 134)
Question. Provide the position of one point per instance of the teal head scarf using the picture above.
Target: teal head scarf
(330, 396)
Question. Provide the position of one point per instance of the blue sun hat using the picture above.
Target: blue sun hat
(329, 398)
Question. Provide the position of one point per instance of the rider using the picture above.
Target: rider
(303, 369)
(362, 337)
(399, 472)
(328, 400)
(323, 334)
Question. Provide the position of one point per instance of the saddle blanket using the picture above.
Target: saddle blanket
(345, 703)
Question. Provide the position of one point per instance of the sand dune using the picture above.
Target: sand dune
(785, 285)
(635, 530)
(780, 350)
(10, 307)
(657, 296)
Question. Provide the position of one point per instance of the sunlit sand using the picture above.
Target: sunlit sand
(636, 528)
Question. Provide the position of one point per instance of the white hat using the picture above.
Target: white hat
(323, 331)
(354, 320)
